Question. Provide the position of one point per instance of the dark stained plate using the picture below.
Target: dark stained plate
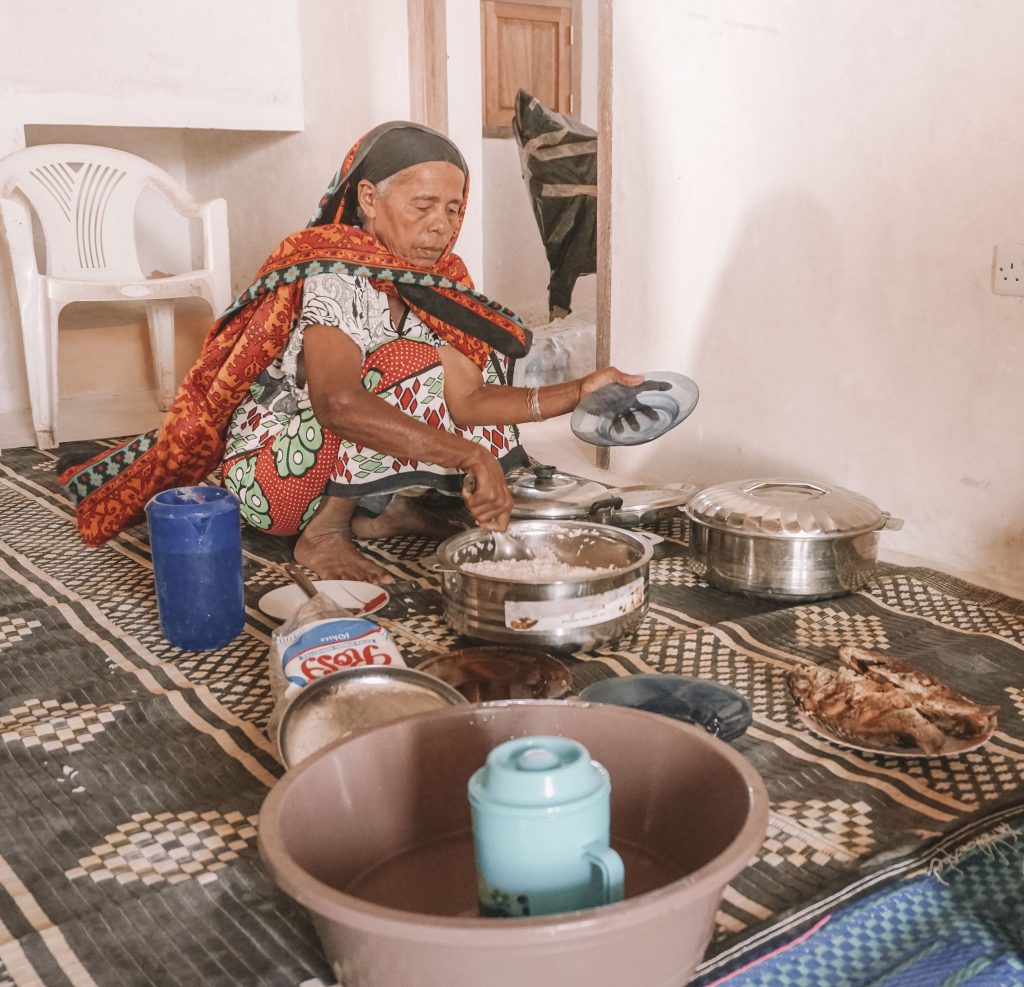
(490, 673)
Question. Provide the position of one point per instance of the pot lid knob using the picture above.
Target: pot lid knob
(546, 477)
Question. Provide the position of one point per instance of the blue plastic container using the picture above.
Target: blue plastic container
(196, 540)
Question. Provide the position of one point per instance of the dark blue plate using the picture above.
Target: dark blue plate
(720, 710)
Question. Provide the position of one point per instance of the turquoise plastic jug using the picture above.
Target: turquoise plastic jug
(541, 820)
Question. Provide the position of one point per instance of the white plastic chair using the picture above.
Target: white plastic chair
(85, 198)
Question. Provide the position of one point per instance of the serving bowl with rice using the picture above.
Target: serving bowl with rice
(586, 585)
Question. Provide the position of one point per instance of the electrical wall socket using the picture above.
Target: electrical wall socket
(1008, 270)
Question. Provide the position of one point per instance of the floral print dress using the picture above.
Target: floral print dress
(280, 461)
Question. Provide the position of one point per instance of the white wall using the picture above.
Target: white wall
(465, 112)
(273, 182)
(516, 269)
(188, 96)
(133, 76)
(145, 64)
(806, 200)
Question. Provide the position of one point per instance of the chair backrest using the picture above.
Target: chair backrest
(85, 197)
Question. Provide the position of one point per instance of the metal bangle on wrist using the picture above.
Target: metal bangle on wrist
(533, 403)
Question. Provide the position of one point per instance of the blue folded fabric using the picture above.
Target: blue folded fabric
(957, 923)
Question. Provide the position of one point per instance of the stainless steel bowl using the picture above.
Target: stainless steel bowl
(352, 700)
(578, 612)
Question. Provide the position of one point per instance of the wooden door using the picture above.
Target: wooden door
(525, 46)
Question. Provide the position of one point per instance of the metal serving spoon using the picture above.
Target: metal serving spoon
(506, 547)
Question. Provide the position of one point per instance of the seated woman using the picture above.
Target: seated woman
(360, 369)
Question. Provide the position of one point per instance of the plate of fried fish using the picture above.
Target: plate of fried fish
(883, 705)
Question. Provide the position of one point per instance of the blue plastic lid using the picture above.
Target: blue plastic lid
(199, 501)
(720, 710)
(616, 415)
(537, 771)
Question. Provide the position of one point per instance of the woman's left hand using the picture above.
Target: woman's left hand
(619, 397)
(606, 375)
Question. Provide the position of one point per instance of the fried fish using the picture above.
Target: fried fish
(885, 702)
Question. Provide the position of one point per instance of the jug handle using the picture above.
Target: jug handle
(609, 863)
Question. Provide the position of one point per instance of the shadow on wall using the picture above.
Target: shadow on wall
(267, 198)
(817, 360)
(772, 361)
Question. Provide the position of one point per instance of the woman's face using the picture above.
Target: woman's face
(418, 212)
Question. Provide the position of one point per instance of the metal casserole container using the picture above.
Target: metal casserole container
(546, 492)
(785, 539)
(570, 612)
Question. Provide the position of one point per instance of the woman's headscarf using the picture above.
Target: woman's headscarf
(443, 297)
(383, 152)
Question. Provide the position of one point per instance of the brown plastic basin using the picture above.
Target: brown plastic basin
(373, 836)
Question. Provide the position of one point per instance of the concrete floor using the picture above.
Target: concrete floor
(105, 374)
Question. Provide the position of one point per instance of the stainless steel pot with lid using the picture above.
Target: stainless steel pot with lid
(785, 539)
(547, 492)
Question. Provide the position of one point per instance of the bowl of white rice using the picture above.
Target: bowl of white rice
(587, 584)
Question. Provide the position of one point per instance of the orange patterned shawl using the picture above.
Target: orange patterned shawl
(112, 489)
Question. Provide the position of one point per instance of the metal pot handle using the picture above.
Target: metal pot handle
(755, 486)
(434, 563)
(889, 523)
(650, 537)
(601, 510)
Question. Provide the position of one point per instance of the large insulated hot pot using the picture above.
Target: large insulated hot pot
(785, 539)
(580, 611)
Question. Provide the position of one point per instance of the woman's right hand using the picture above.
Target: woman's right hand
(485, 491)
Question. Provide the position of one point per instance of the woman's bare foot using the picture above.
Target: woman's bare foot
(326, 546)
(412, 516)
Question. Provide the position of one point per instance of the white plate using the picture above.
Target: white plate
(820, 730)
(362, 598)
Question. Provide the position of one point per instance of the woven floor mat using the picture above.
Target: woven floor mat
(133, 772)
